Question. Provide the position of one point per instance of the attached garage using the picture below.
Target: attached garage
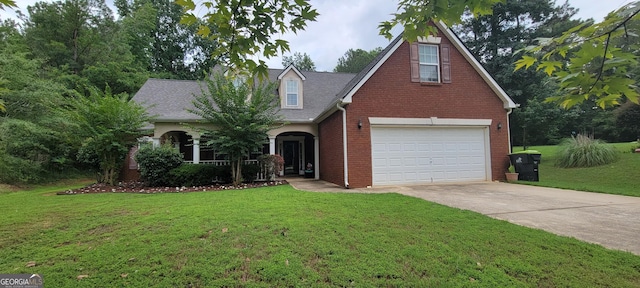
(430, 150)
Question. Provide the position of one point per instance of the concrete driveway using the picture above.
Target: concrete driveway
(609, 220)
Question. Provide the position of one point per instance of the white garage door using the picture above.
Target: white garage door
(428, 155)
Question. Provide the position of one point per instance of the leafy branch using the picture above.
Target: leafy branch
(244, 29)
(591, 62)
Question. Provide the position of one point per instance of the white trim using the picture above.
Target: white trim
(289, 68)
(433, 121)
(430, 39)
(316, 156)
(349, 97)
(487, 152)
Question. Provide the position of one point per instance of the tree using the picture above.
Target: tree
(302, 61)
(7, 3)
(109, 126)
(628, 121)
(591, 61)
(163, 45)
(353, 61)
(494, 39)
(35, 139)
(82, 45)
(242, 115)
(244, 28)
(69, 34)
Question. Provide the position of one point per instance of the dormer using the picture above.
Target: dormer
(291, 88)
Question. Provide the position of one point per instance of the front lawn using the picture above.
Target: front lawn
(621, 177)
(277, 236)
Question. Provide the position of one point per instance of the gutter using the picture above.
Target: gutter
(509, 128)
(340, 107)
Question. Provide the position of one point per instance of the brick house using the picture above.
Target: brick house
(422, 112)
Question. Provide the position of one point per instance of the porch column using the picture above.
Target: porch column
(272, 145)
(316, 156)
(156, 142)
(196, 151)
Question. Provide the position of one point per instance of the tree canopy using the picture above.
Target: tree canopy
(355, 60)
(591, 61)
(241, 113)
(245, 28)
(302, 61)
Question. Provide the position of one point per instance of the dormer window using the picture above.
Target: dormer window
(292, 93)
(291, 88)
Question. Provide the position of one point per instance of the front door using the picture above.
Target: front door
(291, 155)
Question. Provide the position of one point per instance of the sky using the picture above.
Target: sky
(353, 24)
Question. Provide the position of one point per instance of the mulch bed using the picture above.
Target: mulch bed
(141, 188)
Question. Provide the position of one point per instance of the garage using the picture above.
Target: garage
(407, 155)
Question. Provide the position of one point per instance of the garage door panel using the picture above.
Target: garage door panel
(418, 155)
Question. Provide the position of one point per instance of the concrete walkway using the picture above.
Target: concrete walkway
(609, 220)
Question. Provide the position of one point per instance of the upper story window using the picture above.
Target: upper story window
(429, 63)
(292, 93)
(291, 88)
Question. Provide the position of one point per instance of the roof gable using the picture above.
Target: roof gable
(352, 87)
(291, 67)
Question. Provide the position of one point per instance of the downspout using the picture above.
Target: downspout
(344, 144)
(509, 129)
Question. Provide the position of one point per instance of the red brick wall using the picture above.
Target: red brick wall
(390, 93)
(331, 153)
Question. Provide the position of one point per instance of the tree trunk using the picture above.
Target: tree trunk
(236, 168)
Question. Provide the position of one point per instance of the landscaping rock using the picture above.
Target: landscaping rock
(141, 188)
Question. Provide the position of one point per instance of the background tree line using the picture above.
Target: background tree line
(67, 72)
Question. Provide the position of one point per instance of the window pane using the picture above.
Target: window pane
(428, 54)
(292, 86)
(292, 99)
(292, 93)
(429, 73)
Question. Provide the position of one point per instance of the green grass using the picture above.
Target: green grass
(621, 177)
(276, 236)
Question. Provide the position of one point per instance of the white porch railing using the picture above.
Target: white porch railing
(260, 176)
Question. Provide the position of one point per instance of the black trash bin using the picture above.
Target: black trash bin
(526, 164)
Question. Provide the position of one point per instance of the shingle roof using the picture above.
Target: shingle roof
(168, 100)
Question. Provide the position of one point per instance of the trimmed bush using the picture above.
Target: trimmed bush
(156, 163)
(249, 172)
(194, 175)
(583, 151)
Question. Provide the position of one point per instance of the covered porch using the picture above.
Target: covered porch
(296, 143)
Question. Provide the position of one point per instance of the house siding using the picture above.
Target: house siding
(390, 93)
(331, 152)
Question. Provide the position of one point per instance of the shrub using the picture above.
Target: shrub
(249, 172)
(156, 163)
(273, 164)
(223, 174)
(193, 175)
(583, 151)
